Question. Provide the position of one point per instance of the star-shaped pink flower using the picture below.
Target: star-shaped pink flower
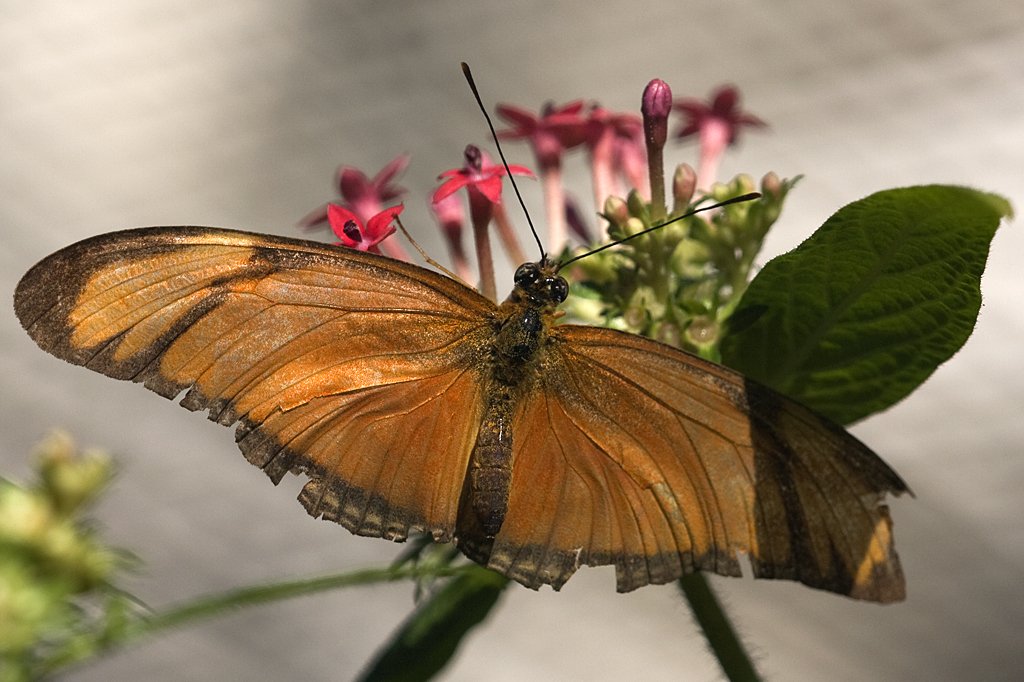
(354, 234)
(362, 195)
(615, 141)
(717, 125)
(724, 110)
(553, 131)
(479, 176)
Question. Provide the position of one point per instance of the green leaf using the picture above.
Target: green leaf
(425, 643)
(860, 314)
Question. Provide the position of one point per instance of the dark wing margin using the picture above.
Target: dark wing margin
(333, 362)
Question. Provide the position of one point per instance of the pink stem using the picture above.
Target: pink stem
(508, 236)
(480, 212)
(554, 206)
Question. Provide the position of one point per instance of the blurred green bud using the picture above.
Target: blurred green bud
(616, 211)
(668, 333)
(689, 258)
(633, 226)
(703, 332)
(25, 515)
(638, 207)
(684, 183)
(771, 186)
(27, 608)
(585, 309)
(71, 479)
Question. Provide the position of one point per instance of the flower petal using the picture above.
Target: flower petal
(354, 184)
(520, 118)
(338, 217)
(380, 226)
(520, 170)
(490, 187)
(382, 180)
(457, 180)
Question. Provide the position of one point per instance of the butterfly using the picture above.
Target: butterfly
(414, 404)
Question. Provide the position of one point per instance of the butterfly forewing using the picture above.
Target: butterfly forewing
(361, 371)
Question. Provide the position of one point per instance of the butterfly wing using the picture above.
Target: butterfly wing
(631, 453)
(355, 369)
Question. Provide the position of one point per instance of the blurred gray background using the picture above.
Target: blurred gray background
(236, 113)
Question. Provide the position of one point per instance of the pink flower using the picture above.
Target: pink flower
(354, 234)
(615, 141)
(724, 109)
(552, 132)
(555, 130)
(482, 181)
(367, 197)
(363, 196)
(450, 216)
(717, 125)
(480, 177)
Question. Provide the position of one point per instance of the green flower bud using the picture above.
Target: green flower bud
(71, 479)
(616, 211)
(689, 259)
(703, 332)
(684, 183)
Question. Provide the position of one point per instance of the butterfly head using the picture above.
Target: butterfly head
(539, 284)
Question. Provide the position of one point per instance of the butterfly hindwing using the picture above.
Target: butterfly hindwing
(631, 453)
(358, 370)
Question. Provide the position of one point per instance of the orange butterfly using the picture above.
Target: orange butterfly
(414, 404)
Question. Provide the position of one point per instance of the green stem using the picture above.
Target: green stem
(217, 604)
(721, 636)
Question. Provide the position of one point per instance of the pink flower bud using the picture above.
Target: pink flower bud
(655, 107)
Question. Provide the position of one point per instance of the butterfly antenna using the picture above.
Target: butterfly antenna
(735, 200)
(423, 253)
(508, 171)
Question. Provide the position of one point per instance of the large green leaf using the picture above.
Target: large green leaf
(429, 638)
(861, 313)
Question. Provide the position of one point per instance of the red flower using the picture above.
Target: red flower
(366, 196)
(555, 130)
(723, 110)
(352, 232)
(479, 176)
(363, 196)
(615, 141)
(718, 126)
(450, 216)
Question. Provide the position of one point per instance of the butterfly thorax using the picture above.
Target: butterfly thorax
(522, 320)
(521, 329)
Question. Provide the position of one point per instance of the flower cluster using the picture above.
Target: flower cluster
(678, 284)
(57, 601)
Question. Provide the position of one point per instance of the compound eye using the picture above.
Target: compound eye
(526, 275)
(558, 289)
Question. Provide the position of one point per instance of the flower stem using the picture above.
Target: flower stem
(656, 172)
(721, 636)
(217, 604)
(508, 236)
(554, 207)
(484, 258)
(602, 176)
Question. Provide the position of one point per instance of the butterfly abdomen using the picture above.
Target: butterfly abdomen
(490, 465)
(514, 355)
